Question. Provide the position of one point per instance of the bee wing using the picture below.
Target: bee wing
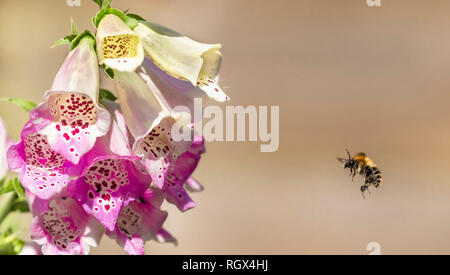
(341, 160)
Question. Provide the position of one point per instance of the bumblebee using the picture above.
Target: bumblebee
(361, 164)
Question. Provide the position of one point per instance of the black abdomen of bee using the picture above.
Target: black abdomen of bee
(372, 176)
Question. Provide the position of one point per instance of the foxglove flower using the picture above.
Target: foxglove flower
(70, 116)
(139, 222)
(183, 58)
(42, 171)
(179, 176)
(112, 177)
(5, 143)
(151, 124)
(118, 46)
(122, 49)
(61, 226)
(170, 91)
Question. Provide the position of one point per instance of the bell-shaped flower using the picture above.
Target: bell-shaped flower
(182, 57)
(61, 226)
(5, 143)
(111, 177)
(151, 124)
(141, 221)
(179, 176)
(171, 92)
(70, 117)
(42, 171)
(118, 46)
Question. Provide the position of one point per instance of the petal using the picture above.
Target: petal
(42, 171)
(117, 45)
(107, 185)
(71, 117)
(178, 55)
(165, 237)
(60, 226)
(183, 58)
(138, 222)
(31, 248)
(211, 87)
(160, 150)
(5, 143)
(193, 185)
(151, 125)
(140, 107)
(120, 138)
(176, 194)
(170, 91)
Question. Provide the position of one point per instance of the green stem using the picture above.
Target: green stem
(6, 204)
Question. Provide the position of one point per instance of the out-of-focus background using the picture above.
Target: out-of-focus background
(344, 74)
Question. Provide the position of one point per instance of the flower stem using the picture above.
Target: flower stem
(6, 204)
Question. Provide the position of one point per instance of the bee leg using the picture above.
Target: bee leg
(353, 172)
(364, 188)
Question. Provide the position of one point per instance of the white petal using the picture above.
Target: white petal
(178, 55)
(117, 45)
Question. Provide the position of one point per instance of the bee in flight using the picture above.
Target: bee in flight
(361, 164)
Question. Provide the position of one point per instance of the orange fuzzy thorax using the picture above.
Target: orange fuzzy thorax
(362, 160)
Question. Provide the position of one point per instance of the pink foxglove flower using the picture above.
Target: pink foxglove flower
(5, 143)
(71, 117)
(61, 226)
(179, 176)
(111, 177)
(151, 124)
(42, 171)
(140, 221)
(118, 46)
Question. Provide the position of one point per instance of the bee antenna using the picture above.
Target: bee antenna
(348, 153)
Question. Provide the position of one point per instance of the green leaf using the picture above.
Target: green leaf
(20, 191)
(21, 205)
(27, 105)
(64, 41)
(105, 94)
(7, 186)
(6, 204)
(68, 39)
(108, 71)
(79, 37)
(10, 245)
(135, 16)
(103, 3)
(13, 185)
(74, 28)
(130, 21)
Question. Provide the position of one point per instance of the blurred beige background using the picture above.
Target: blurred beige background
(343, 74)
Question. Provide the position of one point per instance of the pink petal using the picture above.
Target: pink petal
(71, 114)
(138, 222)
(42, 171)
(5, 143)
(108, 184)
(60, 226)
